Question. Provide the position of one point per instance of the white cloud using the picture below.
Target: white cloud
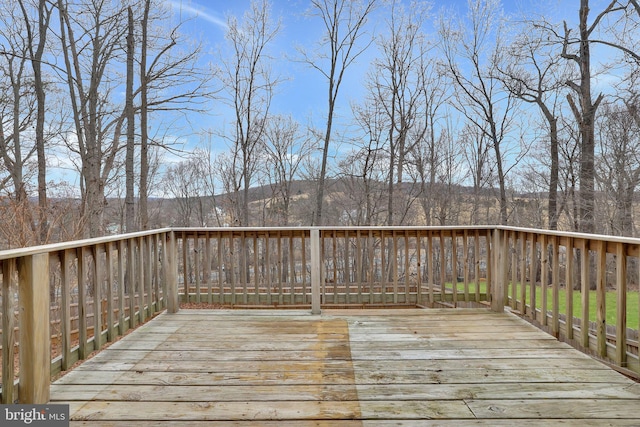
(198, 11)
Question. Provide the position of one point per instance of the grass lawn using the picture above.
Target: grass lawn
(610, 299)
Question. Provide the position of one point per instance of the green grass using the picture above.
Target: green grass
(610, 300)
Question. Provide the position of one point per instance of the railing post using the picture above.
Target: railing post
(315, 271)
(500, 270)
(171, 273)
(35, 347)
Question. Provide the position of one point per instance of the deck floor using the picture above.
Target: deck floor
(346, 368)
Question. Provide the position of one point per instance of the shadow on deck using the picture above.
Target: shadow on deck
(344, 368)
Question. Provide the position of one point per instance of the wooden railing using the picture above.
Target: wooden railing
(578, 279)
(383, 266)
(61, 302)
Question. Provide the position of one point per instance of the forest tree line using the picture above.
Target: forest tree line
(475, 116)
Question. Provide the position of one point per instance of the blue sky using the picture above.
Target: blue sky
(303, 93)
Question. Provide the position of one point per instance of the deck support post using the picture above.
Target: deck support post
(500, 270)
(171, 273)
(35, 346)
(315, 271)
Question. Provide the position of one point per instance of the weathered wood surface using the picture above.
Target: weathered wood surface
(344, 368)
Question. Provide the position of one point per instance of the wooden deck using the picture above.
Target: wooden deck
(402, 367)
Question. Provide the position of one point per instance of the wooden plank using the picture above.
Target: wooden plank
(539, 422)
(337, 392)
(429, 374)
(252, 411)
(544, 408)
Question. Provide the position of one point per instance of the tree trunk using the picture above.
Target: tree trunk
(129, 167)
(144, 137)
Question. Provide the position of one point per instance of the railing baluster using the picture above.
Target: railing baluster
(243, 270)
(82, 305)
(621, 306)
(360, 263)
(419, 268)
(221, 263)
(569, 288)
(185, 265)
(430, 267)
(584, 290)
(465, 262)
(315, 270)
(148, 271)
(443, 268)
(454, 267)
(66, 259)
(98, 273)
(476, 256)
(533, 273)
(490, 265)
(513, 255)
(196, 266)
(523, 273)
(232, 268)
(131, 279)
(157, 248)
(171, 273)
(140, 274)
(121, 288)
(9, 291)
(601, 311)
(544, 278)
(555, 285)
(109, 289)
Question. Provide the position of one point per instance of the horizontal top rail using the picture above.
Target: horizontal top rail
(76, 244)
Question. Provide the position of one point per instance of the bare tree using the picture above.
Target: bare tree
(129, 113)
(396, 82)
(344, 28)
(618, 171)
(432, 151)
(365, 169)
(248, 80)
(36, 37)
(531, 71)
(470, 48)
(89, 36)
(17, 111)
(476, 150)
(285, 148)
(584, 109)
(188, 182)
